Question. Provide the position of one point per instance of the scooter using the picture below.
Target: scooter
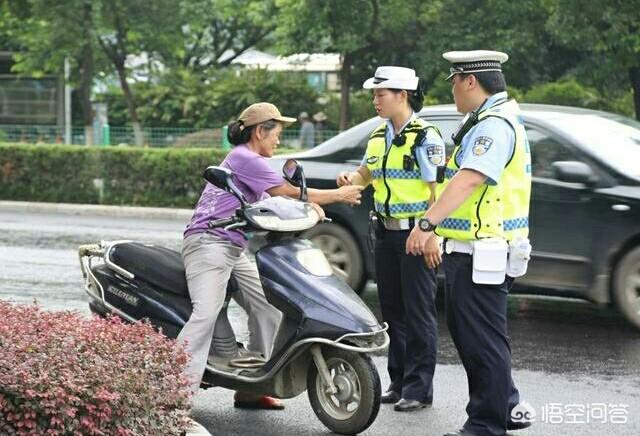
(326, 334)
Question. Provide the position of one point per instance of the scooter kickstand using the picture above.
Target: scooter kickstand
(321, 364)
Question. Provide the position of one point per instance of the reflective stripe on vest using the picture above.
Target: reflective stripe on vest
(398, 193)
(494, 211)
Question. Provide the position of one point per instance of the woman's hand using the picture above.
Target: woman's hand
(350, 194)
(433, 253)
(344, 178)
(319, 210)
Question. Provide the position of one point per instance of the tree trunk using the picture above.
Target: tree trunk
(634, 76)
(86, 73)
(345, 73)
(131, 105)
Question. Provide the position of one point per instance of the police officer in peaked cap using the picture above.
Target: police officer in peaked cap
(482, 214)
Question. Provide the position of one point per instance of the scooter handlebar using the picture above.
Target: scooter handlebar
(222, 222)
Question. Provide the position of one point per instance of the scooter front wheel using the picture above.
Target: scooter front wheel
(355, 405)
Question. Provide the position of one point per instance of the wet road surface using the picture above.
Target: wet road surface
(566, 353)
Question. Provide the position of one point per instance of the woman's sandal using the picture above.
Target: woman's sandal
(262, 402)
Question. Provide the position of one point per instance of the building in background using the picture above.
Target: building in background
(321, 69)
(29, 100)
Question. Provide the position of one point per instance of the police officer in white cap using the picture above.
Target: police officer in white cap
(482, 213)
(401, 162)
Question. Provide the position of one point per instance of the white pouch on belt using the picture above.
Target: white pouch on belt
(489, 261)
(519, 255)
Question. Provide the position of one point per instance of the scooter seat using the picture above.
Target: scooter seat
(159, 266)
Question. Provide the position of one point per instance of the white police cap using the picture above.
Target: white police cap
(393, 78)
(474, 61)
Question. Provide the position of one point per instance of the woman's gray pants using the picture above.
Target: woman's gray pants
(209, 263)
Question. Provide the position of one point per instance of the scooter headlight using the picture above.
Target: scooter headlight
(275, 224)
(314, 261)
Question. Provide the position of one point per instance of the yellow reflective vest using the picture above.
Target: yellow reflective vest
(398, 192)
(500, 210)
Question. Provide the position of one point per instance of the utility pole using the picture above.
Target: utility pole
(67, 102)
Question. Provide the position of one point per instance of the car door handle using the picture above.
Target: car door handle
(621, 207)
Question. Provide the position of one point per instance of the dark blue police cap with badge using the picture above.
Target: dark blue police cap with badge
(474, 61)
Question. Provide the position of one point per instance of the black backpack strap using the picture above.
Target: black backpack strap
(420, 137)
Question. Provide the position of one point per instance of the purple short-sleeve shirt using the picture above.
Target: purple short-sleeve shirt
(252, 175)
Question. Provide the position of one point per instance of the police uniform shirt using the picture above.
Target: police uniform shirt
(429, 151)
(488, 145)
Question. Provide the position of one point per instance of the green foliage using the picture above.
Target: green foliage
(186, 99)
(566, 93)
(217, 31)
(332, 25)
(599, 27)
(234, 91)
(46, 33)
(597, 43)
(570, 92)
(131, 176)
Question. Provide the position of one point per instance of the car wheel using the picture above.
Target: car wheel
(626, 286)
(342, 251)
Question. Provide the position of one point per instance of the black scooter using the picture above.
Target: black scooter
(326, 332)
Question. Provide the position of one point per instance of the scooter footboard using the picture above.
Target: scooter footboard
(289, 381)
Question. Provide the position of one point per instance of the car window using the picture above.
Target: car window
(545, 150)
(347, 146)
(610, 138)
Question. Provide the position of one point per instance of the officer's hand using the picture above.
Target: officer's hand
(344, 178)
(350, 194)
(417, 241)
(433, 253)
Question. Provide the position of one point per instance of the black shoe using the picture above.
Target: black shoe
(409, 405)
(513, 425)
(390, 397)
(461, 432)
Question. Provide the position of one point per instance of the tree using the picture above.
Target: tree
(133, 28)
(215, 32)
(347, 27)
(183, 99)
(608, 34)
(415, 33)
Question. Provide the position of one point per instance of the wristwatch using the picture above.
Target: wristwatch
(426, 225)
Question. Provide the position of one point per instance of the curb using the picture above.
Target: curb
(96, 210)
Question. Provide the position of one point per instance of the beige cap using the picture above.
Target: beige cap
(260, 112)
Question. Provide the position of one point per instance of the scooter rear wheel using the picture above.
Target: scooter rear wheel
(356, 404)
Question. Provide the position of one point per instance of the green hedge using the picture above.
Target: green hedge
(113, 175)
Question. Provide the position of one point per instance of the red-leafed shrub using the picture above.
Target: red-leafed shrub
(65, 374)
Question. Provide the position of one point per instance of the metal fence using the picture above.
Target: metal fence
(153, 136)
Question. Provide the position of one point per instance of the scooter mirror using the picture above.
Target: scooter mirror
(292, 172)
(221, 178)
(218, 176)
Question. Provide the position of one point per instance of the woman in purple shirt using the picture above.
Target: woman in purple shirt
(212, 256)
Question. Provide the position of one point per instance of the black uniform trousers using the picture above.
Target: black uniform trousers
(477, 321)
(407, 293)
